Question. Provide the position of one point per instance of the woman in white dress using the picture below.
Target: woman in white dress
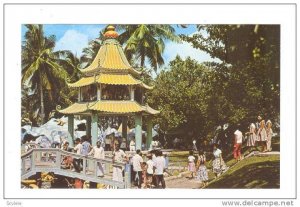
(262, 136)
(269, 135)
(251, 136)
(218, 164)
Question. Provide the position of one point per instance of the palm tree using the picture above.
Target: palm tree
(146, 41)
(70, 63)
(90, 52)
(30, 105)
(141, 42)
(40, 68)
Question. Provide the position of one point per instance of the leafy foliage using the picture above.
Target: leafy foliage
(180, 95)
(240, 84)
(43, 70)
(244, 79)
(146, 41)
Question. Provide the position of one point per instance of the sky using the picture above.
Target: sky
(75, 37)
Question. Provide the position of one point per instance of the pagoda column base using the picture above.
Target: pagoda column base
(138, 131)
(71, 130)
(149, 132)
(88, 127)
(124, 127)
(94, 129)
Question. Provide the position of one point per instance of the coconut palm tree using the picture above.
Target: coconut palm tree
(146, 42)
(90, 52)
(71, 63)
(141, 42)
(40, 68)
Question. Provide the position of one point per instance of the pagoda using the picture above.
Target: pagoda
(110, 87)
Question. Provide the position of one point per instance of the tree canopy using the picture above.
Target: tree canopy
(240, 84)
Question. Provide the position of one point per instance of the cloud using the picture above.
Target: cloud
(74, 41)
(93, 32)
(184, 50)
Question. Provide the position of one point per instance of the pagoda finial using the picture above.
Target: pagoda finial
(110, 32)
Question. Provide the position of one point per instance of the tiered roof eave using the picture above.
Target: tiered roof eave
(109, 79)
(109, 107)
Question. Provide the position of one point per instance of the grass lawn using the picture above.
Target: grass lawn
(254, 172)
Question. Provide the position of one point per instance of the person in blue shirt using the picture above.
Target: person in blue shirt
(86, 146)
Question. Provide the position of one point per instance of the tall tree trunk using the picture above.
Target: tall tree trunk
(142, 58)
(42, 99)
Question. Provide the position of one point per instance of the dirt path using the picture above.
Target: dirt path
(187, 183)
(183, 183)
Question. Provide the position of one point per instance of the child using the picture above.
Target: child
(191, 164)
(202, 171)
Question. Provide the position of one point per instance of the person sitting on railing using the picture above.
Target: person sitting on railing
(98, 153)
(77, 161)
(118, 156)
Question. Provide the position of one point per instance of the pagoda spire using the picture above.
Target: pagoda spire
(111, 33)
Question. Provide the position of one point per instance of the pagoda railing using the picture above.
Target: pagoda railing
(52, 160)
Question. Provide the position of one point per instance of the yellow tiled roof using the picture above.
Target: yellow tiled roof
(110, 57)
(117, 106)
(76, 108)
(82, 82)
(112, 79)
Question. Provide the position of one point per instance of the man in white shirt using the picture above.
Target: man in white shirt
(136, 162)
(238, 140)
(118, 156)
(159, 166)
(98, 153)
(77, 161)
(150, 170)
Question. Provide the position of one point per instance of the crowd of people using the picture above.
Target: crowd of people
(259, 135)
(197, 165)
(147, 172)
